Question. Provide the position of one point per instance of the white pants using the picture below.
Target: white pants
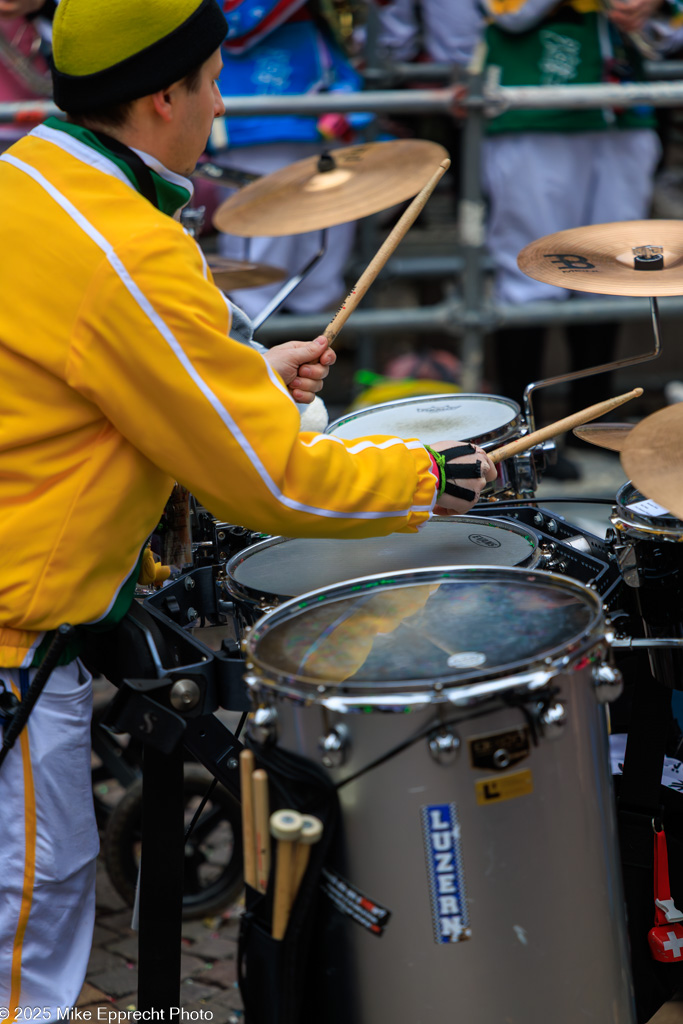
(48, 849)
(542, 182)
(324, 287)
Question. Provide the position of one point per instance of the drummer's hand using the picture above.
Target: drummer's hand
(448, 504)
(303, 365)
(631, 15)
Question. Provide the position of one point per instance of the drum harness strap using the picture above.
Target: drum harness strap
(449, 473)
(511, 700)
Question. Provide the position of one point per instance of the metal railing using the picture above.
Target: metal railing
(475, 99)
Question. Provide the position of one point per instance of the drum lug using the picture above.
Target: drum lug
(334, 746)
(263, 726)
(608, 682)
(444, 746)
(552, 719)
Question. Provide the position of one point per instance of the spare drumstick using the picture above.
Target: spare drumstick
(311, 833)
(592, 412)
(285, 826)
(262, 828)
(385, 250)
(248, 825)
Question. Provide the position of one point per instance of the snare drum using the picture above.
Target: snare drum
(458, 711)
(487, 420)
(268, 573)
(649, 548)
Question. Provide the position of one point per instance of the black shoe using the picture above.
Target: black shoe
(563, 469)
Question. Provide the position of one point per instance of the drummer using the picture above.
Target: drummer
(120, 376)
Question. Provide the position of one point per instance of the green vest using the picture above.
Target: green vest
(564, 49)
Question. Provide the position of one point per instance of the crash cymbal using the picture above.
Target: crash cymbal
(231, 274)
(606, 435)
(651, 457)
(334, 188)
(599, 258)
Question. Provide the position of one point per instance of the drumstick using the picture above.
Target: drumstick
(248, 829)
(311, 833)
(285, 826)
(262, 829)
(383, 253)
(562, 426)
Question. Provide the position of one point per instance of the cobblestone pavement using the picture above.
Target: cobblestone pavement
(208, 963)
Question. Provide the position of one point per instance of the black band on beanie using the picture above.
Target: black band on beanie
(154, 68)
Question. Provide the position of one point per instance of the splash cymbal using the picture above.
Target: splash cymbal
(605, 435)
(599, 258)
(231, 274)
(651, 457)
(330, 189)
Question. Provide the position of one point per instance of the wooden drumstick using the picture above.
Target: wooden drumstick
(592, 412)
(311, 833)
(248, 826)
(285, 826)
(385, 250)
(262, 828)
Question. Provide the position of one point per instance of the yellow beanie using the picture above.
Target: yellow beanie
(111, 51)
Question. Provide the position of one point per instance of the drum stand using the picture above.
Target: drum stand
(169, 712)
(592, 370)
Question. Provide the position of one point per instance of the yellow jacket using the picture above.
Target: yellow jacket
(119, 377)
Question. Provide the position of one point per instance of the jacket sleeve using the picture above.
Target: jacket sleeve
(151, 349)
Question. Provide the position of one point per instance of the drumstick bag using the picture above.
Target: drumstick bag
(289, 981)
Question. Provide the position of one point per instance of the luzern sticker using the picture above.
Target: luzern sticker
(441, 833)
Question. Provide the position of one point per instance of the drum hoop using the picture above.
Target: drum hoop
(638, 526)
(267, 599)
(515, 428)
(412, 693)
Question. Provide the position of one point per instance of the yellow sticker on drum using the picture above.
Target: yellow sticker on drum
(504, 787)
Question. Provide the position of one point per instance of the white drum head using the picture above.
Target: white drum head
(280, 568)
(478, 418)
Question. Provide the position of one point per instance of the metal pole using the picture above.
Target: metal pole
(471, 230)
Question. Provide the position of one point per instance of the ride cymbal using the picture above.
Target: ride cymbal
(605, 435)
(231, 274)
(334, 188)
(600, 258)
(651, 457)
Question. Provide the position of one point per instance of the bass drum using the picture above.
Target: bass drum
(487, 420)
(268, 573)
(458, 712)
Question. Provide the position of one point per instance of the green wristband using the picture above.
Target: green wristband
(440, 461)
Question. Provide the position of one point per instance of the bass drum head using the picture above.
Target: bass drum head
(281, 567)
(427, 630)
(484, 419)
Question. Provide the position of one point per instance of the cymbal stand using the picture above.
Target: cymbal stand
(592, 370)
(289, 286)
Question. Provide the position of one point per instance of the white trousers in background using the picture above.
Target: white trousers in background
(541, 182)
(48, 847)
(324, 287)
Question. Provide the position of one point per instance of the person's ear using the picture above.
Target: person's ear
(163, 102)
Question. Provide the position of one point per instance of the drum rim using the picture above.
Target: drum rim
(637, 525)
(264, 679)
(515, 427)
(268, 599)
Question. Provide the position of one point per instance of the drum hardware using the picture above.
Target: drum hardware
(262, 727)
(608, 680)
(225, 175)
(184, 694)
(551, 720)
(364, 179)
(444, 746)
(606, 259)
(334, 746)
(293, 282)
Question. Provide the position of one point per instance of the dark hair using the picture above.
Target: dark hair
(116, 115)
